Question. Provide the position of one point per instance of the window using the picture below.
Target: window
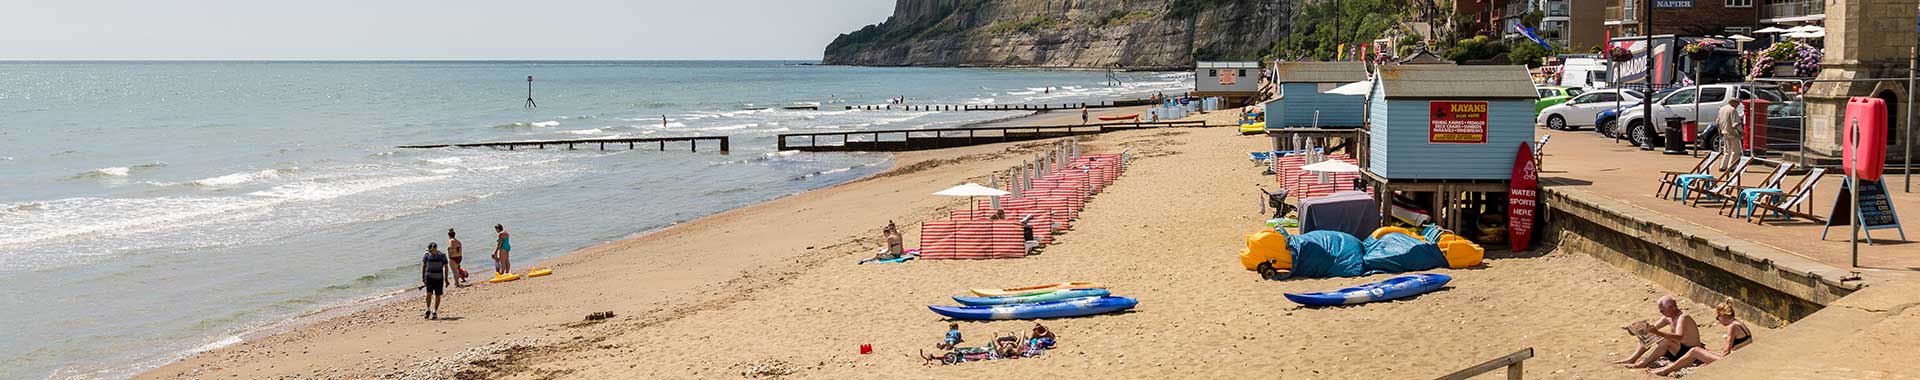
(1544, 93)
(1739, 3)
(1575, 91)
(1679, 97)
(1588, 98)
(1243, 73)
(1713, 94)
(1213, 72)
(1606, 97)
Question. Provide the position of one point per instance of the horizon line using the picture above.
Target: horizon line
(387, 60)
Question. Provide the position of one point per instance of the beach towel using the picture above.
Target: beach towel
(1400, 253)
(1320, 254)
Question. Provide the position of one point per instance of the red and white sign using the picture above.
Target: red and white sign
(1522, 198)
(1457, 122)
(1228, 77)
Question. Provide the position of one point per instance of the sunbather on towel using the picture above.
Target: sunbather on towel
(895, 246)
(1737, 337)
(1670, 345)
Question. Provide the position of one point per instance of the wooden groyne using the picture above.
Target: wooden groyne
(693, 143)
(920, 139)
(1000, 107)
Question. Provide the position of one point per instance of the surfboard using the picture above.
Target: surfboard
(1074, 307)
(1522, 198)
(1042, 297)
(1392, 288)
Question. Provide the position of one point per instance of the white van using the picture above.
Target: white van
(1587, 73)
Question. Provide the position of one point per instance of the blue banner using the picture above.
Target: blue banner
(1525, 31)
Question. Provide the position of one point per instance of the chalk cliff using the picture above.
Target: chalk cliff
(1134, 34)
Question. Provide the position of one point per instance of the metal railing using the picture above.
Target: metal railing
(1792, 8)
(897, 140)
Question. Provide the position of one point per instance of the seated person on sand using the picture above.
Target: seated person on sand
(953, 338)
(1042, 337)
(1669, 345)
(1738, 336)
(895, 245)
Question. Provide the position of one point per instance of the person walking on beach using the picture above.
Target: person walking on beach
(433, 272)
(500, 249)
(1083, 114)
(453, 257)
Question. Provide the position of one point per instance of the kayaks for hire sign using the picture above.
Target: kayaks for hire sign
(1522, 198)
(1457, 122)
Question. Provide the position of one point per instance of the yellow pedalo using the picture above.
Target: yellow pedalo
(1253, 128)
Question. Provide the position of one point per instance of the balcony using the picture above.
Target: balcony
(1794, 10)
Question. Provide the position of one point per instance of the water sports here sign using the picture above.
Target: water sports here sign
(1457, 122)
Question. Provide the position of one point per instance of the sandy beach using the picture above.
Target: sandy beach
(772, 290)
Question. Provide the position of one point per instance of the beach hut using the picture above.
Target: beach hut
(1235, 81)
(1301, 95)
(1449, 131)
(1449, 122)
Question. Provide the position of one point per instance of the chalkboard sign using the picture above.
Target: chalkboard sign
(1876, 208)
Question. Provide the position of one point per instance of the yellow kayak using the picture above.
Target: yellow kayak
(503, 278)
(1004, 292)
(537, 272)
(1252, 128)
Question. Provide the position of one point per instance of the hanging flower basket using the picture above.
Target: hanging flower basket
(1619, 55)
(1699, 51)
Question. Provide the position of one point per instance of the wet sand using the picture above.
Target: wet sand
(771, 290)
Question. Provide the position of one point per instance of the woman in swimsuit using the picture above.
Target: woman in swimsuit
(1738, 336)
(500, 250)
(453, 253)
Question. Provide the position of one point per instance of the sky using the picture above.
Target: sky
(428, 29)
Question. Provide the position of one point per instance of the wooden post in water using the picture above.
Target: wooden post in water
(724, 144)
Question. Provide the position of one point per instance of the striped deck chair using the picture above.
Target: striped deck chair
(1709, 186)
(1738, 194)
(1797, 204)
(1671, 180)
(1731, 192)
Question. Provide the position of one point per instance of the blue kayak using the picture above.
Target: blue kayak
(1031, 298)
(1397, 287)
(1051, 309)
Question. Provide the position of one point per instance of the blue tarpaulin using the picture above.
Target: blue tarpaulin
(1326, 254)
(1399, 253)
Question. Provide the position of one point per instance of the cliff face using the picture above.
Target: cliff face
(1139, 34)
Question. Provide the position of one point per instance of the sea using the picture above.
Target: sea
(150, 210)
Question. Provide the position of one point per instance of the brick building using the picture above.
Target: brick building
(1684, 17)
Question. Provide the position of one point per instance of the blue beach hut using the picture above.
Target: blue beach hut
(1448, 122)
(1301, 92)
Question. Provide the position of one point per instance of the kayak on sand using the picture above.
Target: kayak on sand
(1036, 289)
(1392, 288)
(1073, 307)
(1031, 298)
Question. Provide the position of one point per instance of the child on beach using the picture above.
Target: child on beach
(1738, 336)
(1042, 338)
(953, 338)
(433, 272)
(453, 255)
(1668, 345)
(500, 249)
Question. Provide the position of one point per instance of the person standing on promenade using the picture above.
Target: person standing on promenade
(1732, 134)
(500, 249)
(433, 272)
(453, 257)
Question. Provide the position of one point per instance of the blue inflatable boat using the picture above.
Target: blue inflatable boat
(1397, 287)
(1051, 309)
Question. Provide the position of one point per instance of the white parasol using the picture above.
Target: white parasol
(971, 190)
(1331, 166)
(1806, 29)
(1770, 30)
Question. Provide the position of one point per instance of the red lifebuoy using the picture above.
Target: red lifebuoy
(1865, 146)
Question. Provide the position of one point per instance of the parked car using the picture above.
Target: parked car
(1607, 121)
(1580, 110)
(1682, 103)
(1551, 95)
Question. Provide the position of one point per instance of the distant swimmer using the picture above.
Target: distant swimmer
(433, 272)
(453, 255)
(663, 121)
(500, 249)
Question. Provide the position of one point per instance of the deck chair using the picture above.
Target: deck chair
(1540, 151)
(1797, 204)
(1706, 187)
(1730, 196)
(1670, 180)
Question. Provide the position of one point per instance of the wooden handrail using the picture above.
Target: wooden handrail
(1511, 361)
(917, 139)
